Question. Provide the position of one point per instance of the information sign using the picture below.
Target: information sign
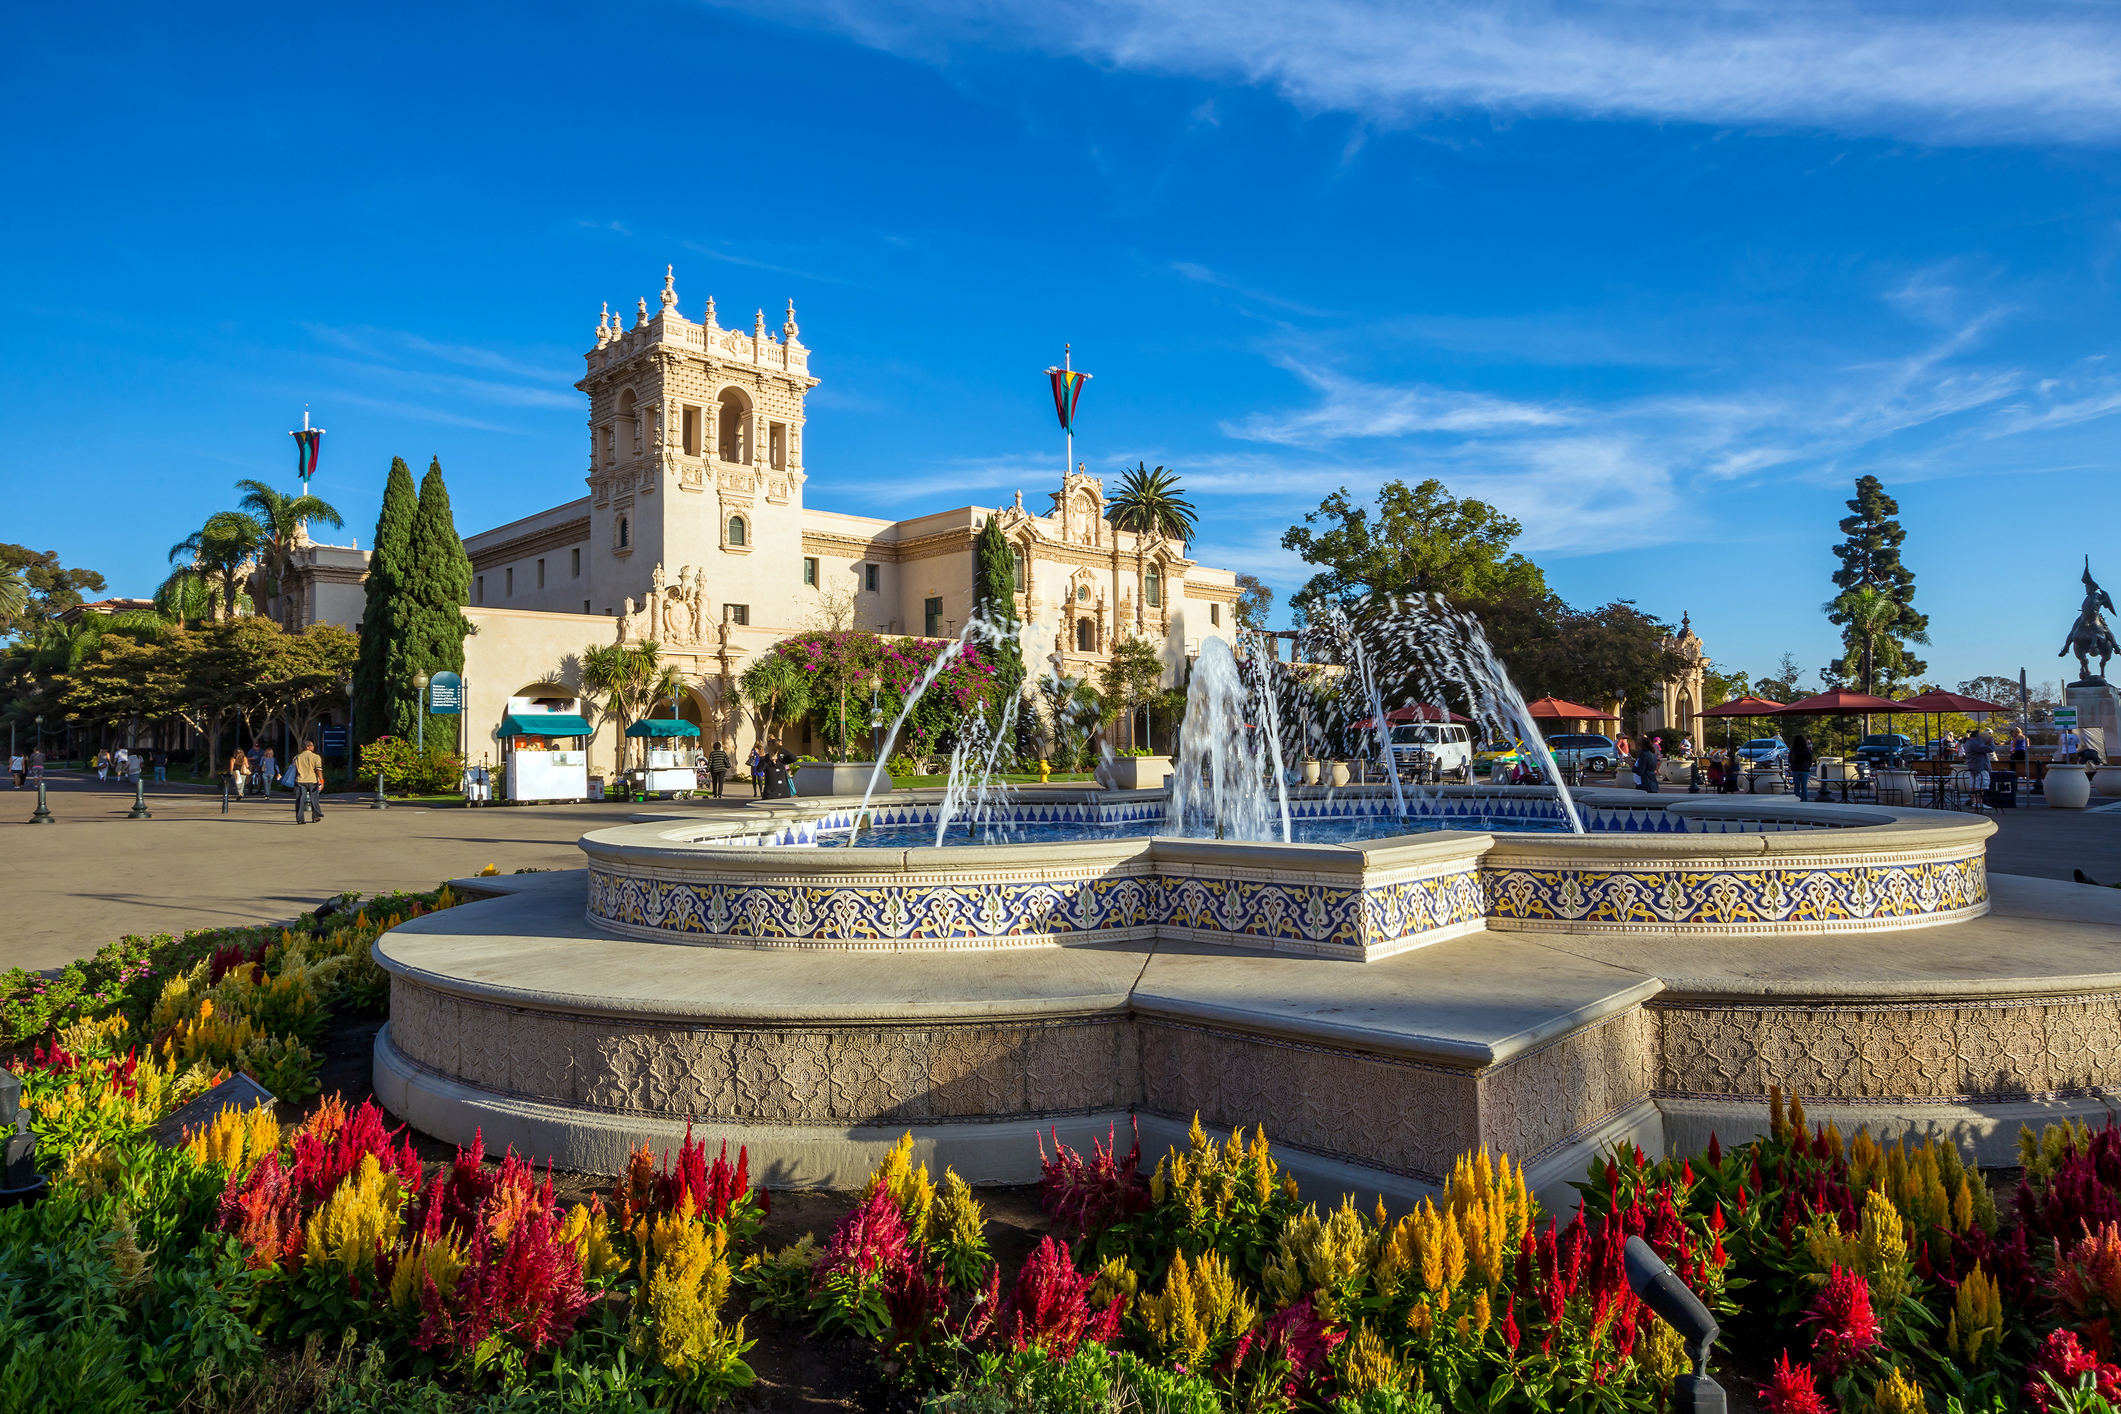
(2066, 718)
(445, 695)
(331, 740)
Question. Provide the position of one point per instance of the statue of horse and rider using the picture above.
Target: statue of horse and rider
(2090, 633)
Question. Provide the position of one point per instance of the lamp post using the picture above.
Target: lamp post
(420, 681)
(876, 723)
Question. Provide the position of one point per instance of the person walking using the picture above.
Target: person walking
(1646, 762)
(717, 768)
(161, 766)
(252, 774)
(102, 765)
(238, 771)
(1980, 753)
(36, 764)
(266, 767)
(309, 783)
(778, 786)
(2021, 748)
(18, 767)
(758, 770)
(1801, 766)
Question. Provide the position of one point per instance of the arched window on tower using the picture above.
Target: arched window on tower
(629, 412)
(625, 532)
(733, 426)
(736, 530)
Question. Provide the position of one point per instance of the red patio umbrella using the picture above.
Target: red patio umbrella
(1555, 707)
(1939, 701)
(1416, 712)
(1838, 703)
(1740, 707)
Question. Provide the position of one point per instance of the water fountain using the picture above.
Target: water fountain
(1221, 786)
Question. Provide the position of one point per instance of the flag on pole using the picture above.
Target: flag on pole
(1067, 391)
(306, 442)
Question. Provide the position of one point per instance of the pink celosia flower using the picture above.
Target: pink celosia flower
(1050, 1307)
(1844, 1328)
(1790, 1390)
(2066, 1362)
(1090, 1195)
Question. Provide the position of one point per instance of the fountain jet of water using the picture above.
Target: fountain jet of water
(1220, 784)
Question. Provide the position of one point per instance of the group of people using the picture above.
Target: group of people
(26, 768)
(769, 765)
(254, 772)
(125, 766)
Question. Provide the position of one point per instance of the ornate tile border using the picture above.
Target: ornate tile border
(1797, 895)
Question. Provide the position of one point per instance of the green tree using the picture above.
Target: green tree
(1422, 540)
(51, 588)
(1150, 503)
(625, 679)
(994, 599)
(280, 518)
(777, 689)
(377, 689)
(427, 623)
(1254, 600)
(1784, 682)
(220, 552)
(1131, 677)
(1870, 559)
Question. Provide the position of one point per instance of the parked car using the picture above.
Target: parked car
(1885, 748)
(1765, 751)
(1593, 753)
(1493, 755)
(1433, 751)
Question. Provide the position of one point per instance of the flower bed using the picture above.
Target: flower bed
(1848, 1274)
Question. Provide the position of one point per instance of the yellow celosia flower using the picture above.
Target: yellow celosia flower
(589, 1231)
(1878, 1251)
(358, 1220)
(912, 1192)
(1115, 1280)
(1329, 1256)
(1200, 1311)
(1366, 1363)
(1977, 1318)
(686, 1269)
(1492, 1209)
(1661, 1356)
(1897, 1394)
(441, 1260)
(236, 1139)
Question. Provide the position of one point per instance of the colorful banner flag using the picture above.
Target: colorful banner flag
(1067, 391)
(306, 443)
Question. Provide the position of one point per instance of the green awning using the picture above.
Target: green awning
(545, 724)
(661, 727)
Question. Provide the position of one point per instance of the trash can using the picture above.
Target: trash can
(2002, 792)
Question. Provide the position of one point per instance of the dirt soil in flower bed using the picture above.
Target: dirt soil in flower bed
(796, 1370)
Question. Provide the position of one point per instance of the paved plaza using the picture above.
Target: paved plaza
(96, 875)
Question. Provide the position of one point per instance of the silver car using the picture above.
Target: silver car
(1765, 751)
(1594, 753)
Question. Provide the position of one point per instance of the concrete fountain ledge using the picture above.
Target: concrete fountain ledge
(1690, 865)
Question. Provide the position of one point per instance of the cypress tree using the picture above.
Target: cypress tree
(1870, 558)
(387, 561)
(994, 599)
(427, 616)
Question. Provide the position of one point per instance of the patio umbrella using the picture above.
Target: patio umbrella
(1740, 707)
(1417, 712)
(1939, 701)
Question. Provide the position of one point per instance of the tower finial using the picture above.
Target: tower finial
(604, 325)
(670, 293)
(710, 312)
(788, 330)
(640, 312)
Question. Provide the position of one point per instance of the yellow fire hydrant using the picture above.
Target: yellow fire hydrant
(1045, 769)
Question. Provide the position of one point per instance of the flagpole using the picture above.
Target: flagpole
(1068, 364)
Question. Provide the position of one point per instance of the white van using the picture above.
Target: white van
(1433, 751)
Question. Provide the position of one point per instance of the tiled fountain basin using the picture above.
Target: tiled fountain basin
(1683, 865)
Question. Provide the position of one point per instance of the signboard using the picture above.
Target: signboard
(2066, 718)
(331, 740)
(445, 695)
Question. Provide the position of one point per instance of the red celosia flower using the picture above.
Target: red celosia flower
(263, 1209)
(1715, 1151)
(1091, 1195)
(1510, 1335)
(868, 1241)
(1844, 1329)
(712, 1187)
(1790, 1390)
(2066, 1362)
(1295, 1337)
(54, 1058)
(526, 1285)
(324, 1155)
(1050, 1307)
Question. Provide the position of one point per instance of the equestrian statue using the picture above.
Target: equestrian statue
(2090, 633)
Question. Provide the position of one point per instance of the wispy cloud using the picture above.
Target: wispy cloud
(1972, 71)
(1201, 274)
(1349, 407)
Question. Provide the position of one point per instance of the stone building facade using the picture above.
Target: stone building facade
(694, 533)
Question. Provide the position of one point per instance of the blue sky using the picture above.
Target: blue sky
(1659, 280)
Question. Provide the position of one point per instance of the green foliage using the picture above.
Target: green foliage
(1095, 1380)
(1421, 541)
(1150, 504)
(280, 518)
(1254, 601)
(426, 622)
(1613, 652)
(49, 588)
(378, 684)
(408, 770)
(994, 599)
(843, 667)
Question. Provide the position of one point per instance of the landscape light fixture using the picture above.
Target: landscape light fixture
(1664, 1293)
(420, 681)
(19, 1180)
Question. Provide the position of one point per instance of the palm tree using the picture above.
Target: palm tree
(777, 690)
(280, 519)
(1151, 503)
(1872, 630)
(220, 551)
(626, 677)
(187, 596)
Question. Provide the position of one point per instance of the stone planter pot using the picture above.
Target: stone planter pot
(1310, 773)
(2106, 780)
(815, 778)
(1339, 777)
(1768, 783)
(1896, 787)
(1140, 772)
(2069, 787)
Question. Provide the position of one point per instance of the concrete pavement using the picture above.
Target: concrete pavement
(96, 875)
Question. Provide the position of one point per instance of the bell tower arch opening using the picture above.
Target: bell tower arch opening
(733, 426)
